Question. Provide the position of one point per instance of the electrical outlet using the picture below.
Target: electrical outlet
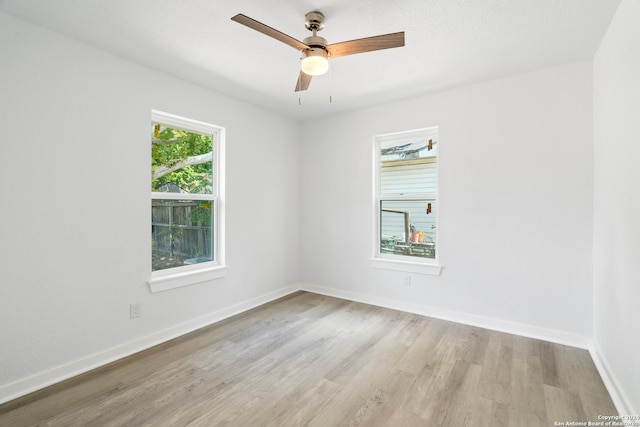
(407, 280)
(134, 310)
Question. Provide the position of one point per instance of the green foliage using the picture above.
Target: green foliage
(201, 215)
(171, 146)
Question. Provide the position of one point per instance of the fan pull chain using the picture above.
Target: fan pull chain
(330, 85)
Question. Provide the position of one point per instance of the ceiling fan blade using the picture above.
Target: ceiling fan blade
(367, 44)
(267, 30)
(303, 81)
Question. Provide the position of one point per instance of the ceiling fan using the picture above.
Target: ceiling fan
(315, 50)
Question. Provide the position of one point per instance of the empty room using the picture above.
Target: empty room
(330, 213)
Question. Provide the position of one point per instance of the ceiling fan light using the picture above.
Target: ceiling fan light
(315, 61)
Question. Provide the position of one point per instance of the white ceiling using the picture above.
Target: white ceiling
(448, 43)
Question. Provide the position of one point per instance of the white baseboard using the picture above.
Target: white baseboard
(550, 335)
(620, 400)
(60, 373)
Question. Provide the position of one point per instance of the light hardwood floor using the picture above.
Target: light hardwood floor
(312, 360)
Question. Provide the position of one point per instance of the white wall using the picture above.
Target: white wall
(75, 210)
(616, 232)
(515, 204)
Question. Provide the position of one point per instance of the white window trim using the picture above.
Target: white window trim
(188, 275)
(178, 277)
(394, 262)
(426, 268)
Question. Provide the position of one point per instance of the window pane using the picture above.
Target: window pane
(181, 161)
(407, 229)
(411, 176)
(409, 147)
(408, 165)
(181, 232)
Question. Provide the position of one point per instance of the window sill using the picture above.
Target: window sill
(186, 278)
(407, 266)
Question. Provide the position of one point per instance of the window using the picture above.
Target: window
(406, 197)
(186, 203)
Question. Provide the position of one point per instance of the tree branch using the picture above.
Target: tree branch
(189, 161)
(158, 141)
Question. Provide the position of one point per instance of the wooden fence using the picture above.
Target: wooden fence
(181, 228)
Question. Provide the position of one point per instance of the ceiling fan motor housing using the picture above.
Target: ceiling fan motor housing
(315, 41)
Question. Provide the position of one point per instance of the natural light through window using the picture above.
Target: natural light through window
(185, 195)
(406, 195)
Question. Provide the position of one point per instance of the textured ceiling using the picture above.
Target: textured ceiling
(448, 43)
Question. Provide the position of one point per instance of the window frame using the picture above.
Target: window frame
(397, 262)
(170, 278)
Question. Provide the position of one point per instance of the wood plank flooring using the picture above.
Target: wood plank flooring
(312, 360)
